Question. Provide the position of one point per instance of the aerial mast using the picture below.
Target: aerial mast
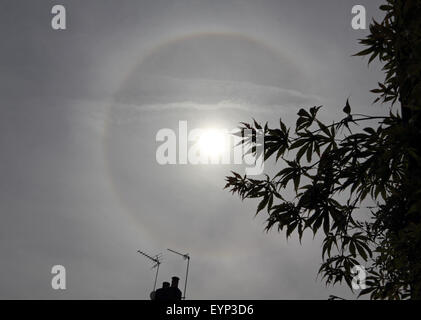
(157, 261)
(185, 257)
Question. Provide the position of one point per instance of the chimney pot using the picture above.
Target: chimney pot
(174, 282)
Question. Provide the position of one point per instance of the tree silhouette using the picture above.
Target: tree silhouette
(336, 172)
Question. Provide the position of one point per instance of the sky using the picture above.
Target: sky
(80, 185)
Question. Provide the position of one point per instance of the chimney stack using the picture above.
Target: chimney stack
(167, 292)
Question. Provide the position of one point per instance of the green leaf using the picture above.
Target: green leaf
(262, 204)
(323, 128)
(361, 252)
(347, 108)
(301, 152)
(297, 179)
(352, 248)
(298, 143)
(326, 227)
(309, 152)
(364, 52)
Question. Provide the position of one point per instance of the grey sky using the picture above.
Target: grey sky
(80, 109)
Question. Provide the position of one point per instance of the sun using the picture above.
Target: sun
(212, 143)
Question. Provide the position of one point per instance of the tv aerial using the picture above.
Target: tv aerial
(156, 260)
(186, 257)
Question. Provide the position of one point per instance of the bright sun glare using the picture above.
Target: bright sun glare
(212, 143)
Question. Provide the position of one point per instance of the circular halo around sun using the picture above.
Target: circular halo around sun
(173, 78)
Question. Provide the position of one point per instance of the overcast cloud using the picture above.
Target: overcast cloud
(80, 108)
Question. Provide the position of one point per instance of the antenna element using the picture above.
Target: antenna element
(185, 256)
(157, 262)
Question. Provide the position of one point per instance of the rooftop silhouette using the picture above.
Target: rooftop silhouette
(167, 292)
